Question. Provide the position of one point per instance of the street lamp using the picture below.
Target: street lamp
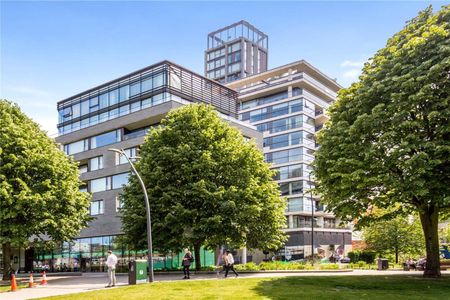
(147, 207)
(312, 220)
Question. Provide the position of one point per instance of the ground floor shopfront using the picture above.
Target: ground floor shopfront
(89, 255)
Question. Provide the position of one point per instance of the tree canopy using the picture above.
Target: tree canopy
(398, 236)
(39, 185)
(388, 139)
(207, 187)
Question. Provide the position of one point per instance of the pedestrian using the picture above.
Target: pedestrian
(186, 263)
(111, 263)
(224, 262)
(230, 264)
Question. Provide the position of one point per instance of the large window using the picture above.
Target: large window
(98, 185)
(96, 208)
(264, 100)
(288, 172)
(272, 111)
(96, 163)
(105, 139)
(295, 154)
(286, 124)
(76, 147)
(294, 138)
(83, 169)
(124, 93)
(130, 152)
(294, 187)
(113, 96)
(119, 180)
(294, 204)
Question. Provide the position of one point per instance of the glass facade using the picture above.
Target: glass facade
(90, 254)
(146, 88)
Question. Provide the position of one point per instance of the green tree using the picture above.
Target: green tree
(388, 139)
(396, 236)
(39, 186)
(207, 187)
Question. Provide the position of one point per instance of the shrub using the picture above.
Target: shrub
(208, 268)
(329, 267)
(366, 256)
(251, 266)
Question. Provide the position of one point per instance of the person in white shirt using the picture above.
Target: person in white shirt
(111, 263)
(230, 264)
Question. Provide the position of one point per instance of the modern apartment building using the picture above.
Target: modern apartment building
(288, 105)
(236, 51)
(118, 114)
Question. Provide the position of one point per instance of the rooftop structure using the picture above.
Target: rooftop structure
(236, 51)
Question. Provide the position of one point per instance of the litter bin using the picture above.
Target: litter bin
(137, 271)
(383, 264)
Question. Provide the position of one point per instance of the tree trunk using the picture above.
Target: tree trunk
(198, 263)
(396, 254)
(429, 219)
(6, 251)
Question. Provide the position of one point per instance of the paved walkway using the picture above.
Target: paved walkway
(94, 281)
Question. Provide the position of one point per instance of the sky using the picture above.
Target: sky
(52, 50)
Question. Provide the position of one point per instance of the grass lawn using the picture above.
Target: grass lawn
(5, 288)
(338, 287)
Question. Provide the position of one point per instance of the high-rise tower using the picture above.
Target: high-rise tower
(236, 51)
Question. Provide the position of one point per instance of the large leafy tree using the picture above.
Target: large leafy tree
(207, 187)
(400, 235)
(388, 139)
(39, 186)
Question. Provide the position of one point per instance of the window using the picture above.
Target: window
(124, 93)
(76, 147)
(76, 110)
(135, 106)
(158, 80)
(98, 185)
(96, 208)
(103, 98)
(294, 204)
(83, 169)
(113, 97)
(96, 163)
(85, 107)
(135, 89)
(234, 47)
(119, 180)
(130, 152)
(124, 110)
(105, 139)
(234, 68)
(147, 84)
(93, 104)
(119, 203)
(288, 172)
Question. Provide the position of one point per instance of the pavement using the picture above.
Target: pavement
(96, 281)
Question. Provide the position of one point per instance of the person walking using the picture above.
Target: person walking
(230, 264)
(186, 263)
(111, 263)
(224, 262)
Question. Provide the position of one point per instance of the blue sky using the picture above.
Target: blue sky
(52, 50)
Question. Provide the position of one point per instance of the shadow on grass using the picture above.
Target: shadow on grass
(354, 287)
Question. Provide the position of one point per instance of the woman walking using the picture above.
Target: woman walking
(186, 263)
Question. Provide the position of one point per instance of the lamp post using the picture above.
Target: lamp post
(147, 207)
(312, 220)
